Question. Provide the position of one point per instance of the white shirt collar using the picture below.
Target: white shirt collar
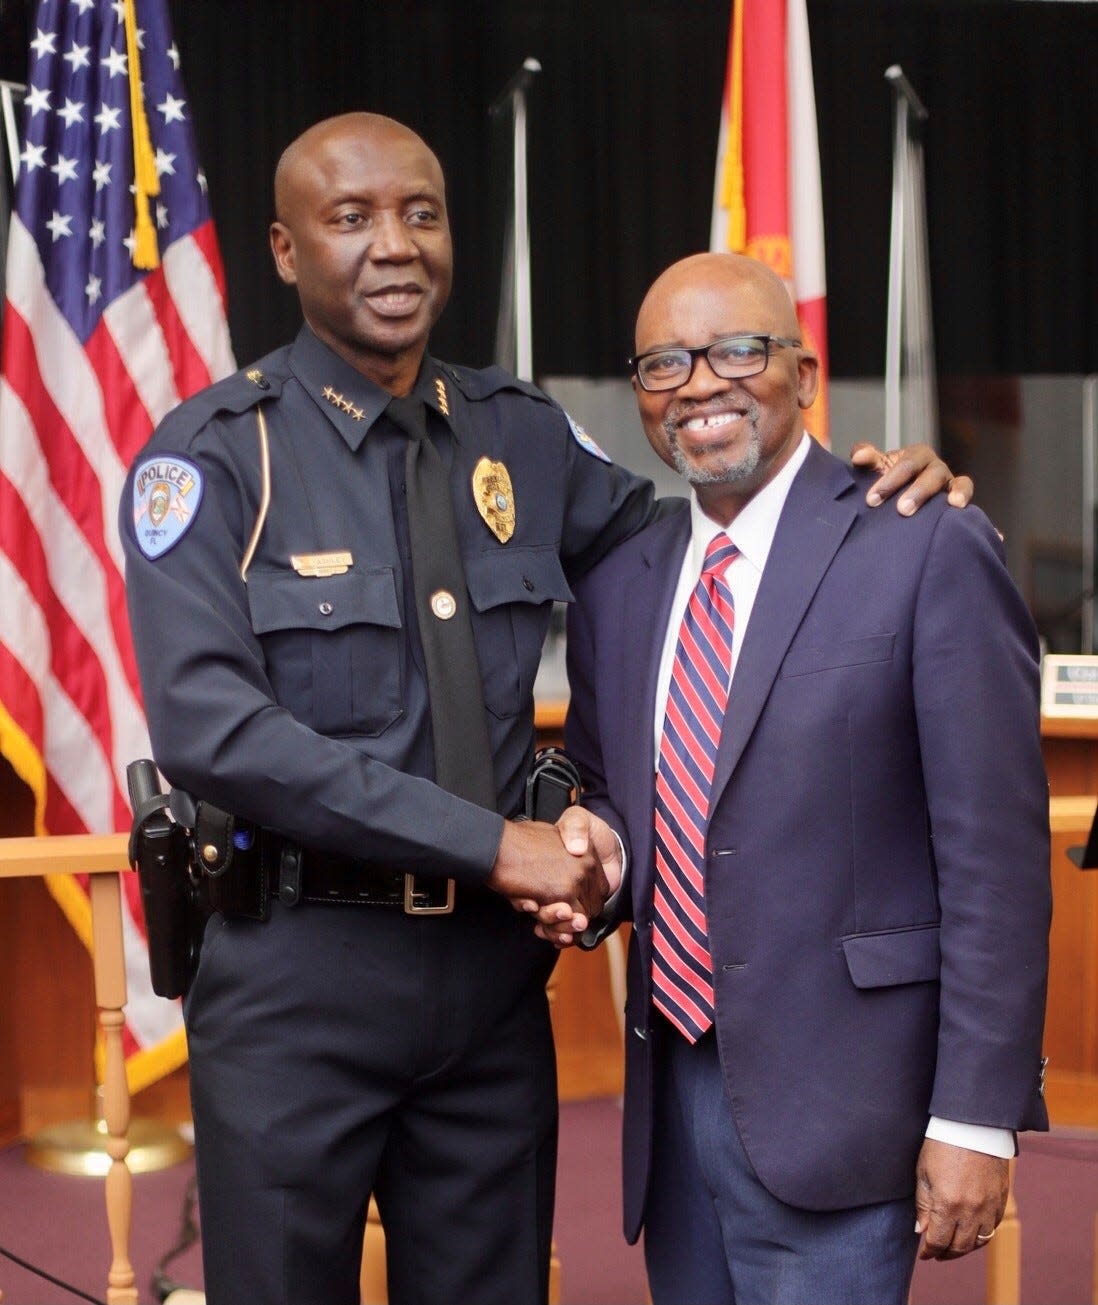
(757, 521)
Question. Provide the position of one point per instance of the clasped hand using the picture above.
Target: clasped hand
(561, 873)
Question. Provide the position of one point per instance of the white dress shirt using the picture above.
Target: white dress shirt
(752, 532)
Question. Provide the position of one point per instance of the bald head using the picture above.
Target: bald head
(712, 286)
(362, 233)
(304, 158)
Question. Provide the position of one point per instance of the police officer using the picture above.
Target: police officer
(373, 1017)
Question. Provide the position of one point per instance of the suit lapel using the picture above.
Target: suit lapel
(813, 523)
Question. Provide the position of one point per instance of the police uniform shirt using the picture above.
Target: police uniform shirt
(298, 700)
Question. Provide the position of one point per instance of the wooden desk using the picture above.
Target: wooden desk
(1071, 1022)
(1070, 748)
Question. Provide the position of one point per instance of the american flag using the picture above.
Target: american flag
(115, 312)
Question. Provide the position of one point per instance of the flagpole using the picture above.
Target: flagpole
(908, 278)
(8, 91)
(1090, 506)
(514, 94)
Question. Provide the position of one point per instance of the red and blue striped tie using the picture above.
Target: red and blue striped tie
(682, 976)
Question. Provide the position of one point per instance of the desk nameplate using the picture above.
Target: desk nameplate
(1069, 685)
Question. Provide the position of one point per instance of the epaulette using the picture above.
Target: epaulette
(234, 394)
(482, 383)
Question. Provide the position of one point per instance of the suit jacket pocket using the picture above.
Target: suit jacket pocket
(834, 656)
(894, 956)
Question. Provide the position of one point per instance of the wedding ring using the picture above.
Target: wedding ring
(986, 1237)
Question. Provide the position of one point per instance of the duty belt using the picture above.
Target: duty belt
(310, 875)
(269, 867)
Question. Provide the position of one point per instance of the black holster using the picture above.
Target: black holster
(175, 912)
(552, 786)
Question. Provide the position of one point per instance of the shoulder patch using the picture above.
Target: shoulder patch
(167, 491)
(584, 440)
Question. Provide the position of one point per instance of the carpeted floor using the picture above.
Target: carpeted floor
(60, 1223)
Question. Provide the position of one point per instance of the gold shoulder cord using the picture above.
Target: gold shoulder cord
(264, 494)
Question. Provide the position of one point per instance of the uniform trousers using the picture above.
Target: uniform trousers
(341, 1050)
(714, 1235)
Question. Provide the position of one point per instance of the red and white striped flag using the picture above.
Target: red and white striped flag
(115, 312)
(767, 200)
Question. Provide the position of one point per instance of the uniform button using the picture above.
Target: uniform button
(527, 583)
(325, 609)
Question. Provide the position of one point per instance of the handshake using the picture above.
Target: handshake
(561, 873)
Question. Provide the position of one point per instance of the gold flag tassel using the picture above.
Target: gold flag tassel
(146, 181)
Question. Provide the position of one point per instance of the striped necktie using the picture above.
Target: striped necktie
(682, 978)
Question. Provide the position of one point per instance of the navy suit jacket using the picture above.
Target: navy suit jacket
(877, 871)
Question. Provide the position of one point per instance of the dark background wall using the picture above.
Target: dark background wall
(623, 124)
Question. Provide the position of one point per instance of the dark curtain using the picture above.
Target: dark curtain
(1011, 177)
(623, 125)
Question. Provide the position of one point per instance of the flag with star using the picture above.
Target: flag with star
(115, 312)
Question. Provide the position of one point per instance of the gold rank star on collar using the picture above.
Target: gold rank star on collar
(443, 401)
(345, 405)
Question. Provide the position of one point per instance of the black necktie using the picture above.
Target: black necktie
(463, 758)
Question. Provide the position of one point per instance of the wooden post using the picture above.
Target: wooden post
(110, 997)
(103, 857)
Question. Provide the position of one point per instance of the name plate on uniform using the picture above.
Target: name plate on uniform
(321, 564)
(1069, 685)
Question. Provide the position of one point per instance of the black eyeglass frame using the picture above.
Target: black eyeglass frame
(698, 350)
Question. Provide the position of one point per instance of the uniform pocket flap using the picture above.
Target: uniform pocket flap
(881, 960)
(525, 575)
(284, 600)
(845, 652)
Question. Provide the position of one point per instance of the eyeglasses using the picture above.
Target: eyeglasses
(735, 357)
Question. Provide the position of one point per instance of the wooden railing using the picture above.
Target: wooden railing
(103, 857)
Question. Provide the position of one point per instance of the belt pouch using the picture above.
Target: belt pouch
(230, 854)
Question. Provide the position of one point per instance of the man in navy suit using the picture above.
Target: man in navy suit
(834, 1028)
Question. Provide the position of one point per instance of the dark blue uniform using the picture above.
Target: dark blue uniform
(339, 1049)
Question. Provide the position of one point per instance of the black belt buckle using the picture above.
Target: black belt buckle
(422, 901)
